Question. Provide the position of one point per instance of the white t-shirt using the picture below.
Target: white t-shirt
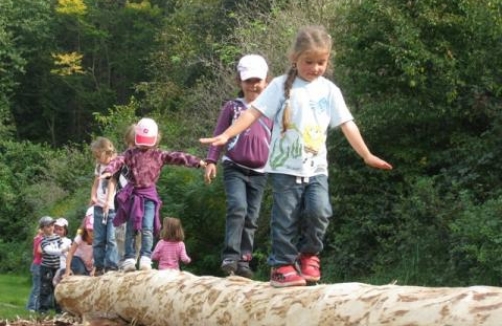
(66, 244)
(102, 190)
(314, 107)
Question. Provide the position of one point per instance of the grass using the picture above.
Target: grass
(14, 293)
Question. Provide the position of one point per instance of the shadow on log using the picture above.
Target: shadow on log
(170, 298)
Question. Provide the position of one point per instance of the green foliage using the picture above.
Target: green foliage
(477, 235)
(37, 181)
(422, 79)
(412, 71)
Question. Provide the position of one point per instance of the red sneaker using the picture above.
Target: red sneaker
(286, 276)
(310, 267)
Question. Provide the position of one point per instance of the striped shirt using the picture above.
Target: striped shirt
(169, 253)
(50, 248)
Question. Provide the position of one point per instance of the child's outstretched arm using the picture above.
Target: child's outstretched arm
(245, 120)
(351, 132)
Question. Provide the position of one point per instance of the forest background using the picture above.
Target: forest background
(423, 79)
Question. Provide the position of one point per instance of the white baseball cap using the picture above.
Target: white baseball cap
(146, 132)
(61, 222)
(252, 66)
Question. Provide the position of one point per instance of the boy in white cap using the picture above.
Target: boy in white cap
(243, 166)
(139, 203)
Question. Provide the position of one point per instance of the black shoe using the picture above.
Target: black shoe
(99, 271)
(244, 270)
(229, 266)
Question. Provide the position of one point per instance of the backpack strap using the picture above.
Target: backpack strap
(238, 106)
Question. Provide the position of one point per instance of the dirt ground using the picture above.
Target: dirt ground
(62, 320)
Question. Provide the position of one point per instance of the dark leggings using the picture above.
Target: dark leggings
(47, 300)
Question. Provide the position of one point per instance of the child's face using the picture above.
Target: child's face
(252, 87)
(59, 230)
(103, 157)
(48, 229)
(312, 64)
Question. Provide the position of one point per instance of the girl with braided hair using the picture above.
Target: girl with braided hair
(303, 105)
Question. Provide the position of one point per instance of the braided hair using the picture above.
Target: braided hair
(309, 38)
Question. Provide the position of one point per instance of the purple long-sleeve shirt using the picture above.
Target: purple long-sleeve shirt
(145, 165)
(144, 171)
(251, 147)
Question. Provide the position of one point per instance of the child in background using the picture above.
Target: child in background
(33, 301)
(102, 197)
(61, 229)
(243, 167)
(121, 178)
(79, 260)
(170, 250)
(139, 203)
(50, 248)
(303, 105)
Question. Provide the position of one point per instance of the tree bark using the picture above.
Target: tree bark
(166, 298)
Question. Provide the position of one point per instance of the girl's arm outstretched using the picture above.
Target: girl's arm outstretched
(351, 132)
(245, 120)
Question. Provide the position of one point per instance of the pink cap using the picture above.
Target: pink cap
(146, 132)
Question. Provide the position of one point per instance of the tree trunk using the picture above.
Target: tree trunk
(169, 298)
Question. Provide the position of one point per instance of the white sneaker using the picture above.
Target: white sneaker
(145, 263)
(129, 265)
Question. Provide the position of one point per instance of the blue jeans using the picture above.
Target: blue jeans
(244, 191)
(146, 233)
(104, 245)
(33, 301)
(300, 217)
(77, 266)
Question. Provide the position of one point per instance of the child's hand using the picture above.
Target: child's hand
(202, 164)
(65, 249)
(210, 173)
(377, 163)
(215, 141)
(105, 175)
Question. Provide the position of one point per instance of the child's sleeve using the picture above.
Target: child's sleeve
(156, 251)
(183, 254)
(49, 249)
(115, 165)
(224, 121)
(180, 158)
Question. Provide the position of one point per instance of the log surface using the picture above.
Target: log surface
(170, 298)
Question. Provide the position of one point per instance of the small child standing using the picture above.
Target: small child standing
(61, 229)
(121, 179)
(33, 301)
(139, 203)
(303, 105)
(170, 250)
(79, 260)
(51, 253)
(102, 197)
(243, 163)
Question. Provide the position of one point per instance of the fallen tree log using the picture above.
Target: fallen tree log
(166, 298)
